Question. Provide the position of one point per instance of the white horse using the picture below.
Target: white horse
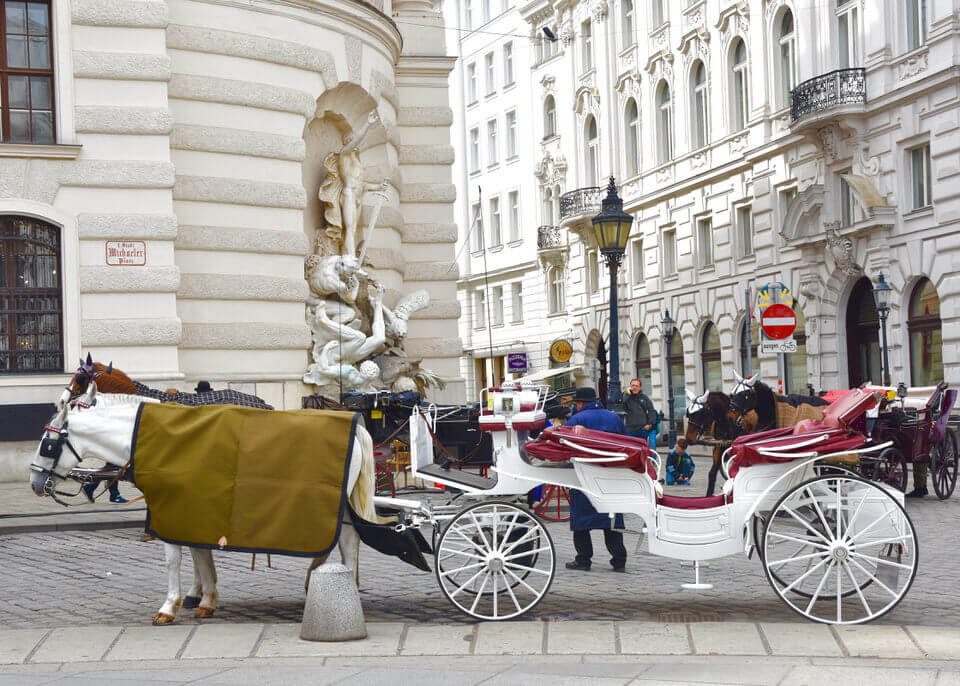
(101, 426)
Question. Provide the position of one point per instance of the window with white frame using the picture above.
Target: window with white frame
(472, 89)
(704, 242)
(26, 72)
(513, 203)
(847, 201)
(916, 23)
(669, 250)
(786, 199)
(555, 290)
(920, 176)
(701, 114)
(516, 304)
(745, 230)
(591, 156)
(479, 309)
(626, 24)
(546, 207)
(508, 64)
(631, 124)
(475, 149)
(586, 46)
(740, 86)
(848, 32)
(493, 143)
(490, 72)
(637, 261)
(486, 11)
(549, 117)
(664, 123)
(511, 134)
(468, 14)
(497, 315)
(495, 235)
(659, 14)
(477, 227)
(593, 272)
(787, 40)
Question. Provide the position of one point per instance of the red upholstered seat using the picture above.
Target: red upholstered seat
(549, 447)
(682, 503)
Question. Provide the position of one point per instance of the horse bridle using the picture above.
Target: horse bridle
(53, 448)
(697, 407)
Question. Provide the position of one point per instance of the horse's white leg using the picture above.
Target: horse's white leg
(168, 611)
(192, 599)
(350, 549)
(208, 580)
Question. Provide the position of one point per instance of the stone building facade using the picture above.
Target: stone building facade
(167, 190)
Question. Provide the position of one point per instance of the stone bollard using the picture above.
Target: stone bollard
(332, 611)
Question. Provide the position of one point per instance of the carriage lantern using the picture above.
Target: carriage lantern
(612, 229)
(667, 326)
(881, 292)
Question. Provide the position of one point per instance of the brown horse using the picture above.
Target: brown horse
(711, 415)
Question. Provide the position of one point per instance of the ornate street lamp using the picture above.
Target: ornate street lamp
(667, 327)
(612, 228)
(881, 292)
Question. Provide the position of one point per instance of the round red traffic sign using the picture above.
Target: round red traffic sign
(778, 322)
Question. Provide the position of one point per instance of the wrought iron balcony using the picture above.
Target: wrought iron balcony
(840, 87)
(581, 201)
(548, 237)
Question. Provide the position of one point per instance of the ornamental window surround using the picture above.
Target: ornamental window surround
(740, 86)
(701, 113)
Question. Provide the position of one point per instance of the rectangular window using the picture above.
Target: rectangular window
(497, 314)
(493, 144)
(704, 243)
(659, 15)
(478, 227)
(495, 222)
(479, 310)
(847, 216)
(745, 230)
(486, 11)
(507, 64)
(513, 199)
(586, 46)
(848, 30)
(26, 73)
(627, 25)
(516, 293)
(555, 289)
(916, 23)
(920, 176)
(490, 73)
(638, 266)
(787, 198)
(593, 272)
(472, 92)
(475, 149)
(669, 252)
(511, 134)
(468, 14)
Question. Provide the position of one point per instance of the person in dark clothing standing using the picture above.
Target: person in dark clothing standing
(584, 517)
(641, 418)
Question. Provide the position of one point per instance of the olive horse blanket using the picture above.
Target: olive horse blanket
(265, 480)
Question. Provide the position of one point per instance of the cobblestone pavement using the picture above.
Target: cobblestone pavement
(56, 579)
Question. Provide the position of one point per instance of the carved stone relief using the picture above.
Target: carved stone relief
(909, 68)
(842, 250)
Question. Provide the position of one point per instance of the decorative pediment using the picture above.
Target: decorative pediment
(805, 210)
(551, 170)
(734, 18)
(549, 82)
(693, 45)
(628, 85)
(599, 10)
(660, 65)
(586, 99)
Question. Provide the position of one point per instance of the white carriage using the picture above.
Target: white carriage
(836, 548)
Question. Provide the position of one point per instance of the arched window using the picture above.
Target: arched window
(664, 123)
(797, 379)
(591, 152)
(632, 137)
(700, 135)
(710, 359)
(862, 333)
(31, 328)
(547, 207)
(549, 117)
(926, 336)
(641, 358)
(555, 293)
(739, 86)
(787, 39)
(754, 338)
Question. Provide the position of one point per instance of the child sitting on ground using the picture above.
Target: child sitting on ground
(679, 464)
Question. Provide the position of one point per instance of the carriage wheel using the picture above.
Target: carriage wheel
(943, 465)
(890, 468)
(552, 499)
(487, 569)
(384, 482)
(840, 550)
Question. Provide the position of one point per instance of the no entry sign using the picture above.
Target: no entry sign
(778, 322)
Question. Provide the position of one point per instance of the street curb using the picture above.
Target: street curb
(70, 526)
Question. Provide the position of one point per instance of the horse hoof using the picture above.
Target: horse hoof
(204, 612)
(162, 619)
(191, 602)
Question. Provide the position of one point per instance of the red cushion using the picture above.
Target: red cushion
(681, 503)
(486, 425)
(638, 452)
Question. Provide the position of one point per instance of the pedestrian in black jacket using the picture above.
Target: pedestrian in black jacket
(641, 419)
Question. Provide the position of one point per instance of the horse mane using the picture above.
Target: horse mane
(113, 382)
(766, 406)
(723, 425)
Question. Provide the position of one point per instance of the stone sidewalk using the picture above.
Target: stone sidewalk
(22, 512)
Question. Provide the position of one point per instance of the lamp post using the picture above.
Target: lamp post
(666, 325)
(881, 292)
(612, 229)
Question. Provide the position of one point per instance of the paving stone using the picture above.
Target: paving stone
(149, 643)
(16, 644)
(223, 640)
(581, 637)
(940, 643)
(76, 644)
(282, 675)
(653, 638)
(283, 640)
(801, 639)
(804, 675)
(726, 638)
(442, 639)
(876, 640)
(509, 638)
(751, 673)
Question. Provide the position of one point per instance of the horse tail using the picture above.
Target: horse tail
(361, 499)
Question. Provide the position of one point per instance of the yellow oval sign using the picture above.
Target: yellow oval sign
(561, 351)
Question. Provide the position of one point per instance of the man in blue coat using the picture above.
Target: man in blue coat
(584, 517)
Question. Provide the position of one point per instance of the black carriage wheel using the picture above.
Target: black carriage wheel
(943, 466)
(891, 468)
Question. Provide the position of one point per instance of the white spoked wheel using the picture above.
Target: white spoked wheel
(840, 550)
(495, 561)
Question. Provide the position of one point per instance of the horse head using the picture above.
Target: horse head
(109, 379)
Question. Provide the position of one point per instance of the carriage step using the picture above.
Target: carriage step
(456, 476)
(697, 585)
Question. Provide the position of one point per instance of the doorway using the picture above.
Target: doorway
(863, 333)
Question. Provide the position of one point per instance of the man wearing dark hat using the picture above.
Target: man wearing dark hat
(590, 414)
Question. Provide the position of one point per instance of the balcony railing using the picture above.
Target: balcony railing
(548, 237)
(581, 201)
(840, 87)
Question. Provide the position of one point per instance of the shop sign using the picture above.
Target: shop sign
(517, 363)
(126, 253)
(561, 351)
